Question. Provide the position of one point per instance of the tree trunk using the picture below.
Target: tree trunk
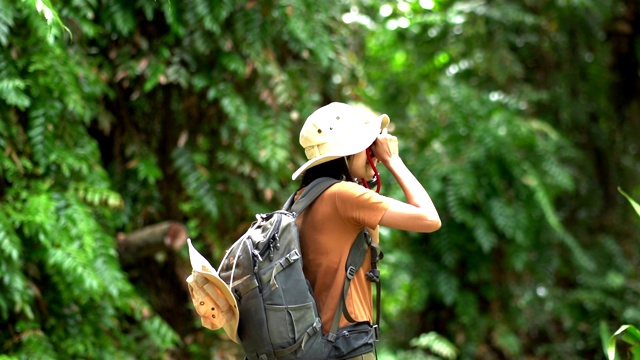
(150, 258)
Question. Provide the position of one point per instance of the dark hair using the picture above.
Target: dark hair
(336, 169)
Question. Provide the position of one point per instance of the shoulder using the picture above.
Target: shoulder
(357, 204)
(347, 191)
(347, 188)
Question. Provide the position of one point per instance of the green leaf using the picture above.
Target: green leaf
(633, 203)
(605, 337)
(631, 337)
(11, 90)
(46, 9)
(436, 343)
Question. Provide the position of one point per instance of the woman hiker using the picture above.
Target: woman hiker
(346, 143)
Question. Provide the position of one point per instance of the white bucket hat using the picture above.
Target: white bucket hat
(338, 130)
(211, 297)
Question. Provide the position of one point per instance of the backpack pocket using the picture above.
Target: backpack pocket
(353, 340)
(289, 306)
(288, 323)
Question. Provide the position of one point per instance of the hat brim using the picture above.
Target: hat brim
(353, 146)
(230, 327)
(202, 266)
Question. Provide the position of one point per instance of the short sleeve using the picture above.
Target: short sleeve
(357, 204)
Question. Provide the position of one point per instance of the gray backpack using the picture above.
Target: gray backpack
(278, 314)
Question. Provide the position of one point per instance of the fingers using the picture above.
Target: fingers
(385, 136)
(385, 146)
(393, 145)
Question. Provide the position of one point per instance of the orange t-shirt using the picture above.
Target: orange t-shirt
(328, 228)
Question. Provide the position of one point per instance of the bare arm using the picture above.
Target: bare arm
(418, 213)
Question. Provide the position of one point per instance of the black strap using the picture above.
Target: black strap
(309, 195)
(374, 276)
(317, 326)
(356, 257)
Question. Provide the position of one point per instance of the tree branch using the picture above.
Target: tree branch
(167, 235)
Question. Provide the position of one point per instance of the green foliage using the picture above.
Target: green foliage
(147, 111)
(64, 294)
(428, 346)
(628, 333)
(486, 99)
(518, 117)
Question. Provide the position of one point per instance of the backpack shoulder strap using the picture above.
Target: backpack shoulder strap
(355, 259)
(309, 195)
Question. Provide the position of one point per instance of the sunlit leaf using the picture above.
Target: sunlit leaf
(633, 203)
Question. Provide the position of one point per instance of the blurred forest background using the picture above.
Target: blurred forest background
(127, 125)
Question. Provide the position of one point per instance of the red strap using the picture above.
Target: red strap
(375, 172)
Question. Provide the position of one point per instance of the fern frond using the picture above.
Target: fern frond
(96, 196)
(121, 16)
(72, 270)
(212, 17)
(508, 342)
(16, 295)
(543, 201)
(505, 217)
(437, 344)
(41, 135)
(310, 33)
(446, 244)
(161, 334)
(50, 14)
(10, 245)
(459, 205)
(35, 344)
(447, 285)
(7, 12)
(171, 14)
(195, 181)
(11, 90)
(106, 264)
(484, 235)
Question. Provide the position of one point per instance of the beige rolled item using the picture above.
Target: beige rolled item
(211, 297)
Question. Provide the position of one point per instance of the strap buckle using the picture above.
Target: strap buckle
(331, 337)
(293, 256)
(351, 272)
(373, 275)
